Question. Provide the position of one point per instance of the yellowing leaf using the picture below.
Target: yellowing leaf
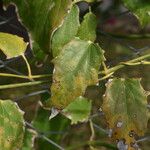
(11, 126)
(12, 45)
(125, 109)
(76, 67)
(79, 110)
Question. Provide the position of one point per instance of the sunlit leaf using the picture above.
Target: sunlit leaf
(79, 110)
(11, 126)
(87, 30)
(42, 17)
(125, 107)
(12, 45)
(28, 142)
(76, 67)
(66, 32)
(141, 9)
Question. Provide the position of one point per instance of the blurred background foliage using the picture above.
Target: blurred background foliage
(115, 28)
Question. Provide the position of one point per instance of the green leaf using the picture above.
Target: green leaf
(66, 32)
(53, 129)
(140, 8)
(42, 17)
(11, 126)
(76, 67)
(79, 110)
(87, 30)
(28, 142)
(12, 45)
(125, 107)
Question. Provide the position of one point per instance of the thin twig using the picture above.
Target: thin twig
(93, 143)
(136, 61)
(23, 76)
(100, 129)
(25, 84)
(28, 66)
(10, 69)
(43, 136)
(92, 133)
(130, 36)
(143, 139)
(136, 50)
(31, 94)
(6, 21)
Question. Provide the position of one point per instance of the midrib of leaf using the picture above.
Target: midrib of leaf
(127, 109)
(82, 60)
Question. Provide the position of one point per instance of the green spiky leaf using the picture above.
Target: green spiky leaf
(12, 45)
(11, 126)
(76, 67)
(140, 8)
(125, 107)
(87, 30)
(79, 110)
(66, 32)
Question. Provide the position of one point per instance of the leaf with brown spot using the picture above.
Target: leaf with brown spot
(76, 67)
(125, 109)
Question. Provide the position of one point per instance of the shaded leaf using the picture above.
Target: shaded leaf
(28, 142)
(11, 126)
(140, 8)
(54, 129)
(76, 67)
(79, 110)
(87, 30)
(42, 17)
(12, 45)
(66, 32)
(125, 108)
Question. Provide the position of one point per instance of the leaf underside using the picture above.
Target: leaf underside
(125, 108)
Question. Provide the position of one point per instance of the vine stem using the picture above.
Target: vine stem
(92, 134)
(8, 86)
(28, 66)
(43, 136)
(136, 61)
(23, 76)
